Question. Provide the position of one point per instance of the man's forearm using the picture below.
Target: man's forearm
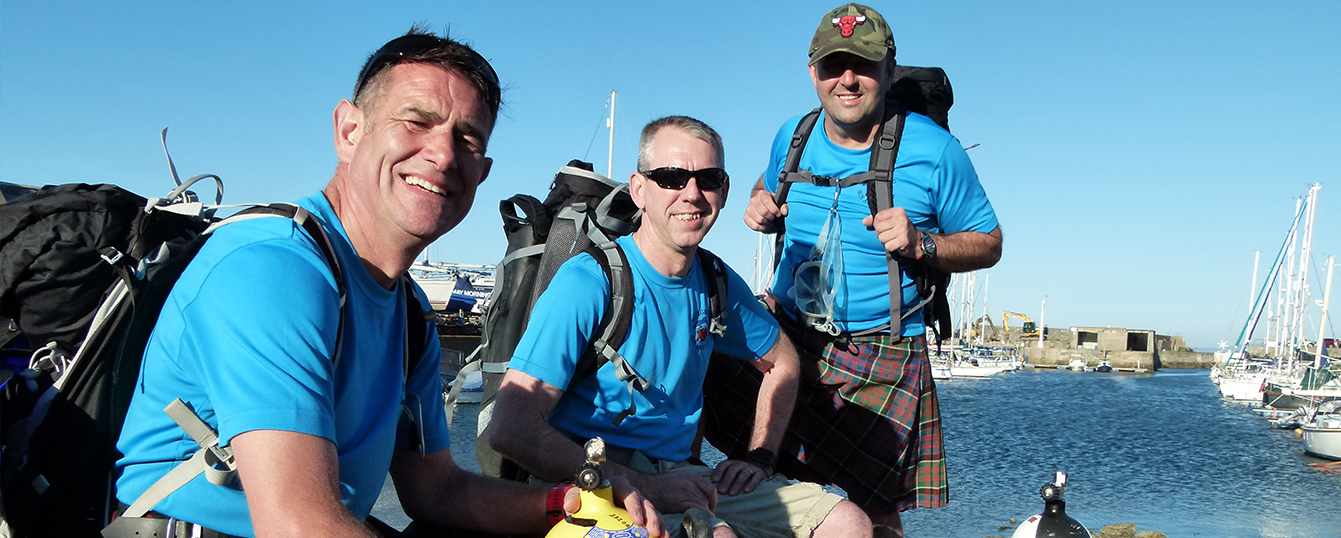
(480, 503)
(966, 251)
(526, 436)
(777, 396)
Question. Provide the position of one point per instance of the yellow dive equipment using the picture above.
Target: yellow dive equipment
(598, 517)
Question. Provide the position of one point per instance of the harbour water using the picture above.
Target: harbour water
(1159, 450)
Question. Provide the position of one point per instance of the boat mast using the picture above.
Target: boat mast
(1321, 348)
(1301, 289)
(610, 123)
(986, 286)
(1279, 332)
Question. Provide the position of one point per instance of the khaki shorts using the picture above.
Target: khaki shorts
(776, 507)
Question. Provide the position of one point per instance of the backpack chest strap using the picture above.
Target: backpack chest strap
(804, 176)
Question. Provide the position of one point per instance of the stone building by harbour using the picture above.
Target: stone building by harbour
(1125, 349)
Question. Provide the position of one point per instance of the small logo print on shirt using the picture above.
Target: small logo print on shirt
(701, 330)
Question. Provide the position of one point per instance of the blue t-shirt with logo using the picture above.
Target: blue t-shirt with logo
(246, 339)
(668, 343)
(934, 182)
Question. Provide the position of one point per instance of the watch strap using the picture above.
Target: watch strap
(554, 503)
(764, 458)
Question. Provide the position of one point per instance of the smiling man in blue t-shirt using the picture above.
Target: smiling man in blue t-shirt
(250, 336)
(867, 418)
(681, 188)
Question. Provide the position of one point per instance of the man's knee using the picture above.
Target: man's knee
(846, 520)
(887, 525)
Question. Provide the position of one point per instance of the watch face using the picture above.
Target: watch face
(928, 246)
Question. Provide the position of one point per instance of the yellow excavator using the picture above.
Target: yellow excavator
(1027, 331)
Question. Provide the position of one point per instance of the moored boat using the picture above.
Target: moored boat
(1322, 436)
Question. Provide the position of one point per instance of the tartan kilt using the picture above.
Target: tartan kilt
(866, 420)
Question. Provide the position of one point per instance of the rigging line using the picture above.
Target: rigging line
(597, 130)
(1261, 303)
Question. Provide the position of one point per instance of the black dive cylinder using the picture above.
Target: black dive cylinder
(1054, 523)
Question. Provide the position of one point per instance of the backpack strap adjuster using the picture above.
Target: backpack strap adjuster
(112, 256)
(888, 141)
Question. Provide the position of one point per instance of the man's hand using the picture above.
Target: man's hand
(893, 228)
(760, 213)
(676, 491)
(734, 477)
(640, 509)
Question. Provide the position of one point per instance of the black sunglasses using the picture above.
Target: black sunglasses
(670, 177)
(415, 44)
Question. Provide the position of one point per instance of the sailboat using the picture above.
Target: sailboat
(1242, 376)
(1316, 383)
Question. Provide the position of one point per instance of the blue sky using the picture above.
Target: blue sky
(1137, 153)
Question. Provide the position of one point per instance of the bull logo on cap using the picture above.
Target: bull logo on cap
(846, 25)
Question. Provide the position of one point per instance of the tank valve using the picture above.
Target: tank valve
(1053, 522)
(598, 517)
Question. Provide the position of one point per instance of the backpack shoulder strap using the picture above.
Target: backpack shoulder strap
(416, 326)
(880, 196)
(797, 148)
(614, 327)
(790, 175)
(410, 427)
(715, 274)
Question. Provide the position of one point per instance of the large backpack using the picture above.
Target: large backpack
(584, 212)
(84, 272)
(926, 91)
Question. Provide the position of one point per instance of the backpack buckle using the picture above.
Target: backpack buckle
(717, 327)
(823, 181)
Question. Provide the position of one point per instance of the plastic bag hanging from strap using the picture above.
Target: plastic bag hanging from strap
(818, 280)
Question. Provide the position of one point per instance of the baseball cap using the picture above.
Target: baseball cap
(855, 29)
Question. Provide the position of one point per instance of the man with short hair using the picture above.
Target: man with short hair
(252, 338)
(542, 410)
(867, 418)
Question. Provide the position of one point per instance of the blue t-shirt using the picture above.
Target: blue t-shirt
(934, 182)
(246, 339)
(668, 343)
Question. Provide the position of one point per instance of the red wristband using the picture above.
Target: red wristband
(554, 503)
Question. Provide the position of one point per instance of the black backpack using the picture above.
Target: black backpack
(584, 212)
(84, 272)
(926, 91)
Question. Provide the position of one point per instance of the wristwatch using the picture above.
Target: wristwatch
(764, 458)
(928, 246)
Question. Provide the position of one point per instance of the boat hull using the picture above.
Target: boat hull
(976, 371)
(1287, 398)
(1242, 388)
(1322, 438)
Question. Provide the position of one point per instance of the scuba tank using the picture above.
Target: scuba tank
(1053, 522)
(598, 517)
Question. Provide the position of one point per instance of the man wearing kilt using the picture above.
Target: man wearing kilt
(867, 418)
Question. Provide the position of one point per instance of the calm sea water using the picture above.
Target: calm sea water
(1162, 451)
